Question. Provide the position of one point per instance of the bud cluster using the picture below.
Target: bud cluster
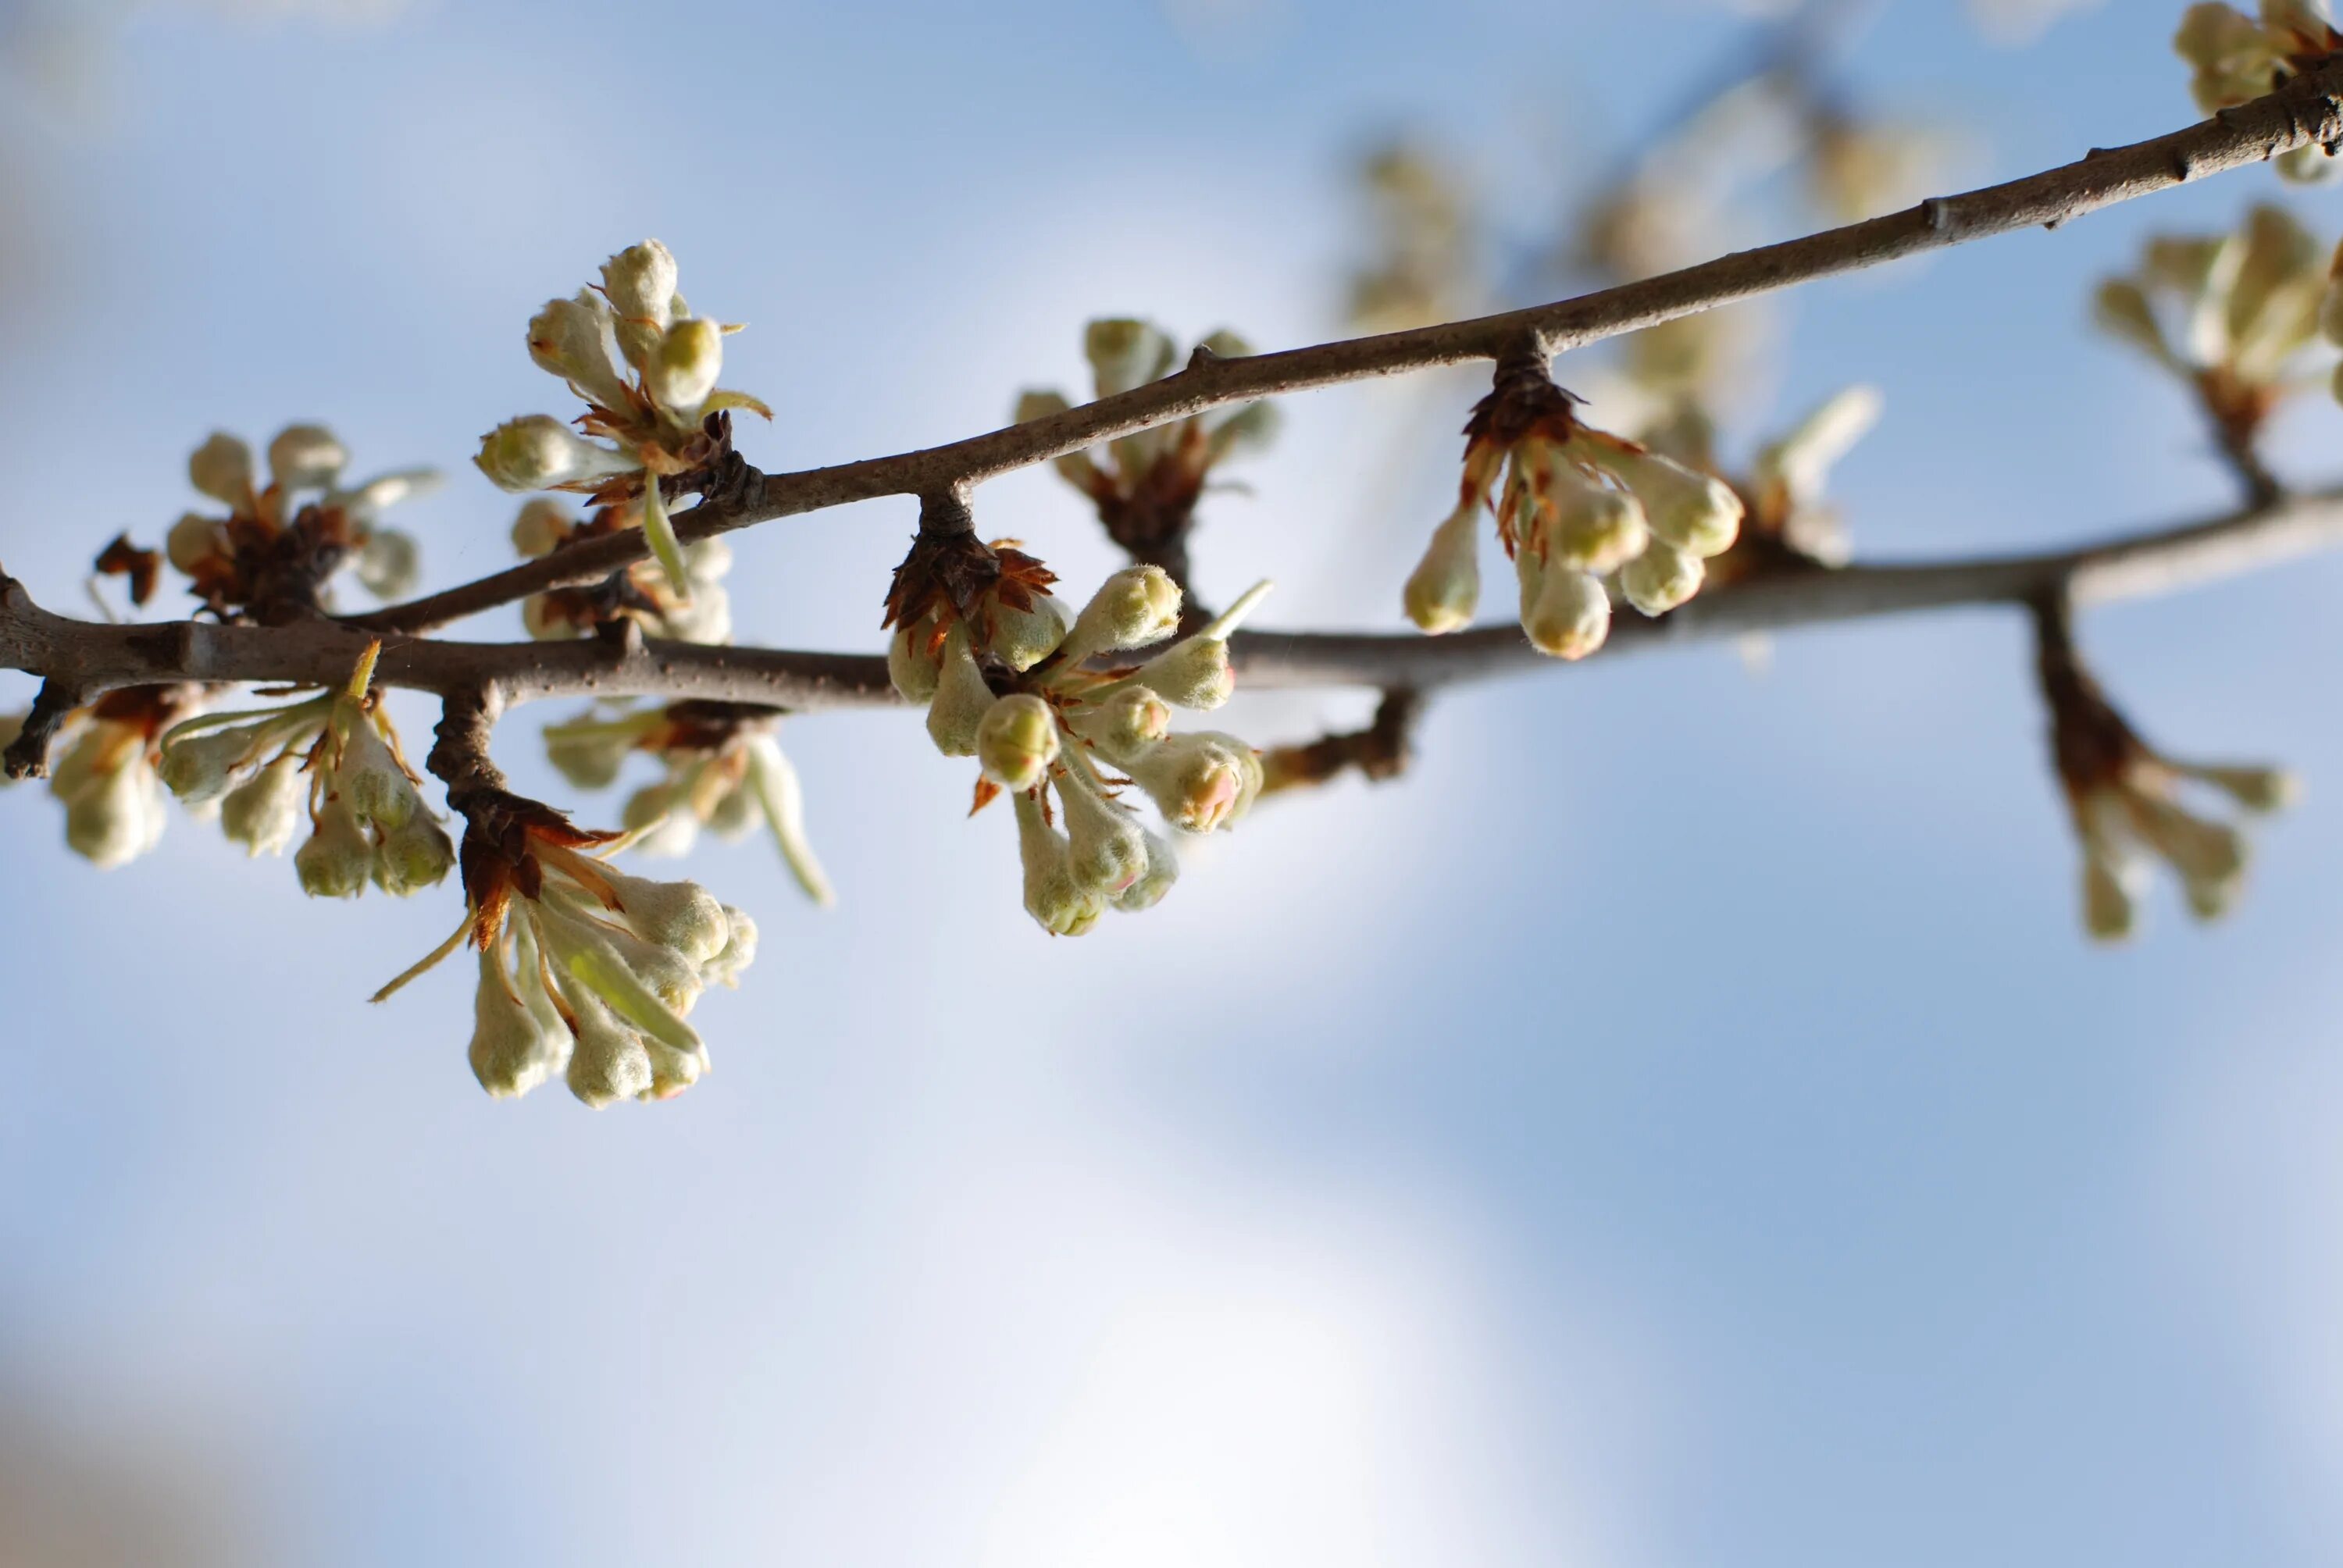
(334, 759)
(105, 776)
(2228, 315)
(1147, 485)
(2236, 58)
(724, 771)
(583, 969)
(1423, 267)
(1579, 510)
(1043, 708)
(2129, 803)
(646, 367)
(271, 555)
(643, 592)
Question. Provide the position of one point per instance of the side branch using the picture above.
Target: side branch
(91, 659)
(2307, 111)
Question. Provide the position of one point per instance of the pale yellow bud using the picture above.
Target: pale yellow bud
(510, 1053)
(1693, 511)
(573, 339)
(1051, 896)
(414, 857)
(306, 456)
(1134, 607)
(1595, 528)
(683, 369)
(541, 528)
(1022, 638)
(194, 539)
(1107, 848)
(338, 857)
(222, 469)
(539, 452)
(1126, 723)
(1017, 740)
(2109, 912)
(1148, 889)
(1661, 578)
(264, 814)
(1446, 587)
(1570, 614)
(960, 700)
(912, 666)
(1125, 354)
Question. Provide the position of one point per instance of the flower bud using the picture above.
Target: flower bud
(338, 857)
(541, 528)
(572, 338)
(1661, 578)
(539, 452)
(1017, 740)
(305, 457)
(672, 1071)
(412, 858)
(681, 916)
(1125, 724)
(2109, 912)
(117, 817)
(2121, 309)
(390, 563)
(1196, 782)
(1125, 354)
(1052, 897)
(682, 371)
(1570, 614)
(734, 812)
(1134, 607)
(1595, 528)
(263, 814)
(222, 469)
(194, 539)
(589, 752)
(2255, 789)
(661, 820)
(1191, 673)
(1148, 891)
(960, 701)
(1106, 848)
(608, 1063)
(1693, 511)
(367, 777)
(198, 768)
(639, 282)
(1446, 587)
(544, 620)
(1022, 638)
(510, 1053)
(706, 620)
(912, 666)
(1040, 404)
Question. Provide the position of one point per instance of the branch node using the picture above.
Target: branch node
(945, 514)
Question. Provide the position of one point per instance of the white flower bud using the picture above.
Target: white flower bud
(1570, 614)
(672, 1071)
(542, 620)
(117, 818)
(1661, 578)
(589, 752)
(1017, 740)
(194, 539)
(739, 951)
(1052, 897)
(1446, 587)
(734, 812)
(306, 458)
(539, 452)
(222, 469)
(1595, 528)
(1134, 607)
(912, 666)
(1125, 724)
(683, 369)
(367, 777)
(572, 338)
(1125, 354)
(1198, 781)
(1022, 638)
(639, 282)
(706, 620)
(338, 857)
(681, 916)
(541, 528)
(263, 815)
(607, 1062)
(1693, 511)
(960, 700)
(414, 857)
(2110, 912)
(1163, 870)
(391, 564)
(199, 768)
(510, 1053)
(1191, 673)
(663, 824)
(1106, 848)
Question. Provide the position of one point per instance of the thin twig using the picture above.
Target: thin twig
(94, 659)
(2308, 110)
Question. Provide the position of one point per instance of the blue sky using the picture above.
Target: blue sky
(1679, 1123)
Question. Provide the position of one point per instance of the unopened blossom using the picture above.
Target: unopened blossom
(1145, 485)
(724, 771)
(643, 592)
(2235, 58)
(583, 970)
(1063, 716)
(278, 545)
(647, 368)
(1423, 244)
(332, 763)
(1859, 168)
(1574, 506)
(105, 774)
(2230, 315)
(2133, 805)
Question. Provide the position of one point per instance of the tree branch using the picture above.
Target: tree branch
(91, 659)
(2305, 110)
